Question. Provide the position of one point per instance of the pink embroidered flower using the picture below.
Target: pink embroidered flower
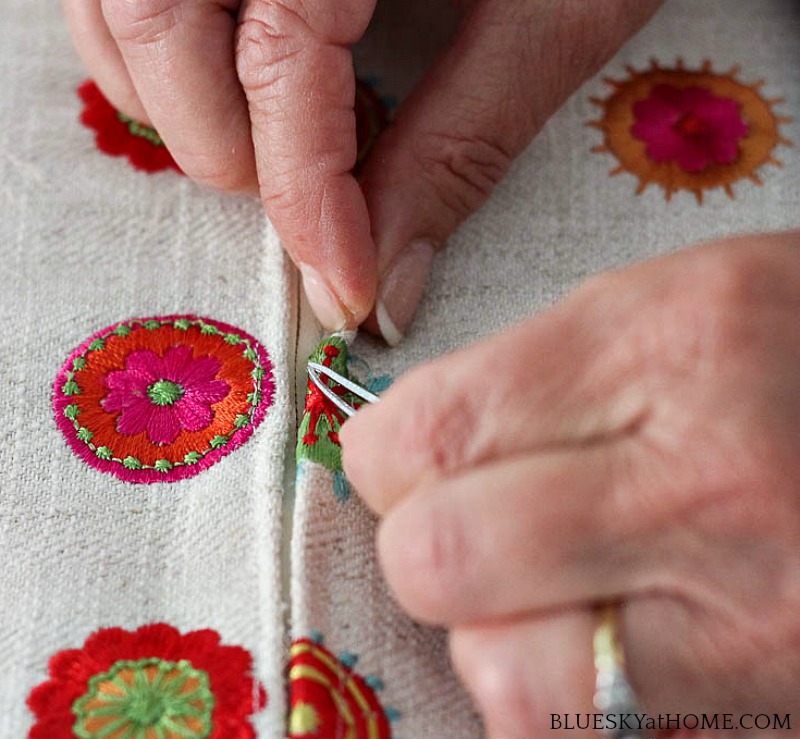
(164, 395)
(689, 126)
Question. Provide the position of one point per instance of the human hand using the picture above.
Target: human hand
(259, 93)
(640, 442)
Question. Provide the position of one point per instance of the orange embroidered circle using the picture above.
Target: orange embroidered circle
(692, 130)
(162, 398)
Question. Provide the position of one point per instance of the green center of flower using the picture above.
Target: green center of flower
(165, 392)
(148, 697)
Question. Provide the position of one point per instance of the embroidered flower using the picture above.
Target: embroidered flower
(329, 699)
(164, 395)
(152, 682)
(162, 398)
(119, 135)
(689, 126)
(318, 435)
(688, 129)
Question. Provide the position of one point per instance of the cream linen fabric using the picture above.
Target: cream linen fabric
(86, 241)
(557, 219)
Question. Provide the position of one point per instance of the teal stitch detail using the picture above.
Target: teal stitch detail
(341, 487)
(316, 636)
(392, 714)
(374, 682)
(348, 659)
(72, 411)
(71, 388)
(132, 463)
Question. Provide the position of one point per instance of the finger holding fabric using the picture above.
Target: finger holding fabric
(648, 456)
(510, 66)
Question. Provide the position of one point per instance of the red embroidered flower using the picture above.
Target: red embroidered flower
(690, 126)
(164, 395)
(152, 682)
(160, 399)
(118, 135)
(329, 700)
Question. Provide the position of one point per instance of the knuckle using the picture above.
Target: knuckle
(501, 692)
(269, 36)
(462, 170)
(141, 21)
(439, 426)
(219, 173)
(434, 579)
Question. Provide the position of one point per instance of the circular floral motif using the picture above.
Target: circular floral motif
(152, 682)
(143, 698)
(692, 130)
(160, 399)
(329, 699)
(118, 135)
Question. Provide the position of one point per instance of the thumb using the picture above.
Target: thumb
(510, 66)
(294, 63)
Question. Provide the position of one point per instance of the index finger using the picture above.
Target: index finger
(294, 62)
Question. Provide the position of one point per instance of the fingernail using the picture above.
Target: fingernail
(401, 290)
(326, 307)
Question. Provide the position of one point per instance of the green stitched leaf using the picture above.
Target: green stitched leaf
(97, 345)
(182, 324)
(218, 441)
(132, 463)
(72, 411)
(207, 328)
(232, 339)
(162, 465)
(104, 452)
(192, 457)
(71, 388)
(315, 444)
(152, 325)
(78, 363)
(122, 330)
(84, 434)
(241, 421)
(250, 354)
(257, 374)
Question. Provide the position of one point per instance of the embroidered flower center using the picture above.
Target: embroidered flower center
(165, 392)
(149, 697)
(691, 125)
